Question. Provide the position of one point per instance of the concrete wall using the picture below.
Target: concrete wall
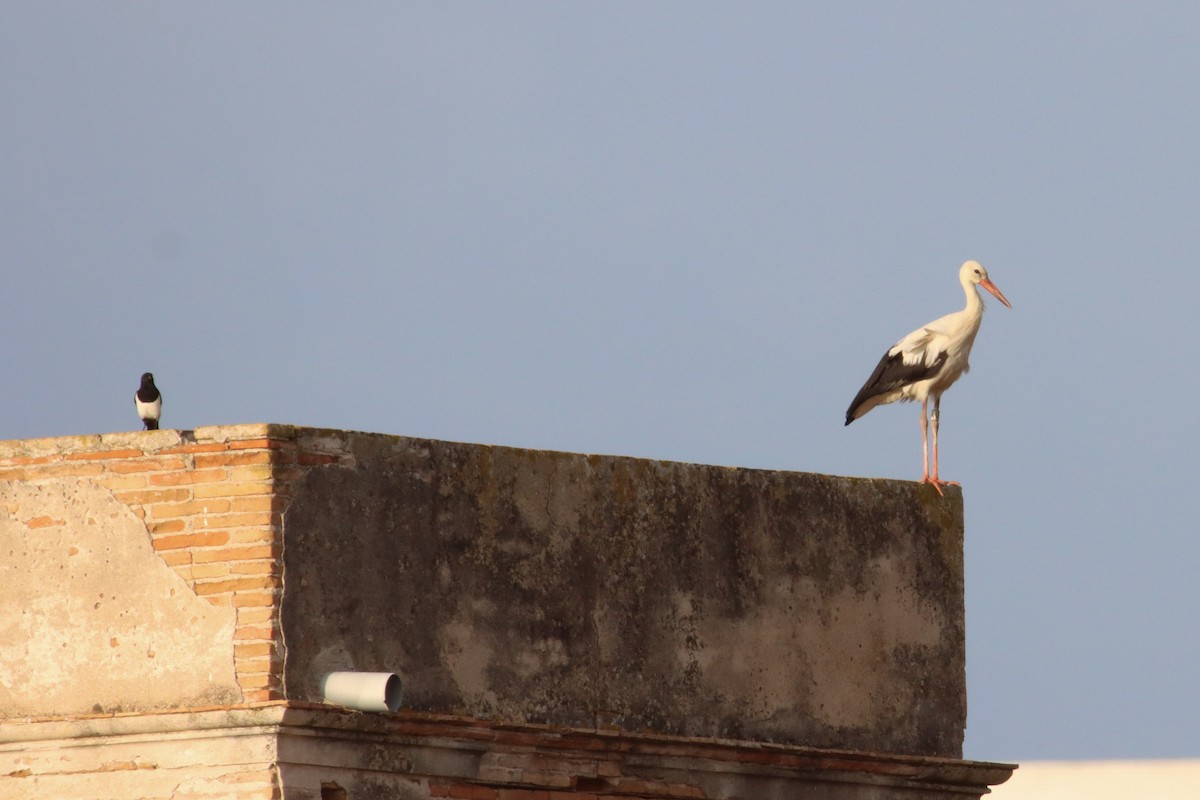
(148, 574)
(583, 590)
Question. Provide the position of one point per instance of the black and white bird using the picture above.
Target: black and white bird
(148, 401)
(926, 362)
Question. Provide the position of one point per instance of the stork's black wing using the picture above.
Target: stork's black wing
(891, 373)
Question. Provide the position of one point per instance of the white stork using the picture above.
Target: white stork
(926, 362)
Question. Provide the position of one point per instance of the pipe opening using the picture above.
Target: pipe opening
(364, 691)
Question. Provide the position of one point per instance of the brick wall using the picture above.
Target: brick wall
(211, 501)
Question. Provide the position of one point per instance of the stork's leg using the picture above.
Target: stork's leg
(934, 418)
(925, 440)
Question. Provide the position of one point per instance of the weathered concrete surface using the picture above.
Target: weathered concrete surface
(91, 619)
(640, 595)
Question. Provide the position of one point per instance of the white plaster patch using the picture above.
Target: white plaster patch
(91, 619)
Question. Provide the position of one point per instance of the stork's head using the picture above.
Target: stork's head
(974, 273)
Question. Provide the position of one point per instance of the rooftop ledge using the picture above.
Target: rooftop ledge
(165, 438)
(297, 737)
(313, 437)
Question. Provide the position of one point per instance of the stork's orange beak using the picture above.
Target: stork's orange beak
(995, 291)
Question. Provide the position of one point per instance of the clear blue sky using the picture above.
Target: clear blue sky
(676, 230)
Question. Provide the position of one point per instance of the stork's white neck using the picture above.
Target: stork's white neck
(974, 305)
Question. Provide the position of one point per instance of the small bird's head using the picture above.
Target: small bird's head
(147, 379)
(974, 273)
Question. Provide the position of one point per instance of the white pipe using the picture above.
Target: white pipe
(365, 691)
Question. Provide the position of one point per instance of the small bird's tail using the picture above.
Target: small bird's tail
(151, 424)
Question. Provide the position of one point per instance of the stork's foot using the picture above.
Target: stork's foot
(938, 484)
